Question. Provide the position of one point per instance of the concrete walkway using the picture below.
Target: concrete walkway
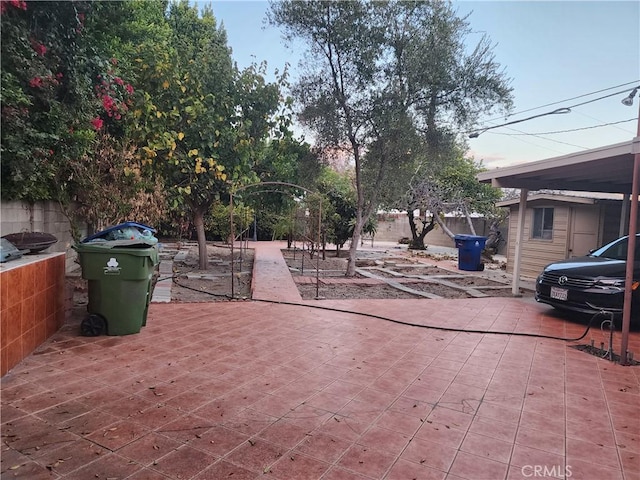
(271, 278)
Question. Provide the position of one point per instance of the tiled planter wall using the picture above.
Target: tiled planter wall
(33, 304)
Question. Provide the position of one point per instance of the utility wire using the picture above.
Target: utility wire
(566, 131)
(551, 139)
(477, 132)
(626, 130)
(537, 145)
(562, 101)
(599, 98)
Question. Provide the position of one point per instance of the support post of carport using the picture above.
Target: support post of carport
(624, 216)
(515, 285)
(633, 224)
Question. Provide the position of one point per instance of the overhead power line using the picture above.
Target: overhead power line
(552, 140)
(562, 101)
(599, 98)
(477, 132)
(567, 131)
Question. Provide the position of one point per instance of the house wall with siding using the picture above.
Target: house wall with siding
(536, 253)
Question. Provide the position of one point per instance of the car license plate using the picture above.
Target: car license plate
(559, 293)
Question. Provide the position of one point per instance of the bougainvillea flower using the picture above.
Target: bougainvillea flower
(107, 103)
(97, 123)
(20, 4)
(39, 48)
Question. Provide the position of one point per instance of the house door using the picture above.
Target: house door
(583, 230)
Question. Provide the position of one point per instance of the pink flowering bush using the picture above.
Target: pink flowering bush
(115, 95)
(45, 118)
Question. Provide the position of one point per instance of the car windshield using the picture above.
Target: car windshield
(617, 250)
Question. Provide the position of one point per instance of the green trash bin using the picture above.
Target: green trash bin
(121, 277)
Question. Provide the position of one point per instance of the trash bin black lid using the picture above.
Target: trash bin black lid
(103, 233)
(137, 248)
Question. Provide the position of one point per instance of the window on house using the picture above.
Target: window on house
(542, 223)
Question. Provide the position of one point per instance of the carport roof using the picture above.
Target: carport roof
(566, 198)
(603, 169)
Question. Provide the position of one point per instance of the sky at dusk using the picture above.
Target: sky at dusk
(553, 51)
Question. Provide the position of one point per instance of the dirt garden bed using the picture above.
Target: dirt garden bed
(344, 292)
(385, 266)
(190, 284)
(302, 263)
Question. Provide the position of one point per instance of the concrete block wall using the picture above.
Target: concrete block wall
(47, 217)
(394, 226)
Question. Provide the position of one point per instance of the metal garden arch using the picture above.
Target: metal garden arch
(233, 237)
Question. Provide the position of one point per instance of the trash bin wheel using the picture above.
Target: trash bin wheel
(93, 326)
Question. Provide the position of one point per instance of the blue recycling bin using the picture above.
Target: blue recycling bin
(470, 252)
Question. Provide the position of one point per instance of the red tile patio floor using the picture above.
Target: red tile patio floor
(248, 390)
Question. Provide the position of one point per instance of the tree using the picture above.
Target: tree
(199, 106)
(391, 83)
(118, 103)
(442, 82)
(340, 207)
(338, 87)
(445, 87)
(202, 123)
(286, 160)
(453, 189)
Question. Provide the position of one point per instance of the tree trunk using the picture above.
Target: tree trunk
(445, 229)
(417, 242)
(472, 228)
(353, 248)
(355, 239)
(198, 220)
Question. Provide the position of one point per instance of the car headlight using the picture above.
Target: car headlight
(610, 282)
